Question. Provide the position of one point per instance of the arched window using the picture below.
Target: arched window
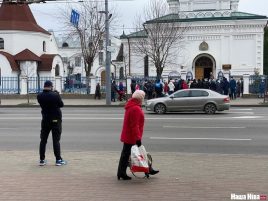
(65, 44)
(44, 46)
(2, 43)
(121, 73)
(57, 70)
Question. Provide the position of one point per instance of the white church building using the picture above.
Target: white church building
(26, 50)
(29, 54)
(220, 39)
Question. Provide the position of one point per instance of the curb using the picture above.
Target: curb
(37, 106)
(121, 105)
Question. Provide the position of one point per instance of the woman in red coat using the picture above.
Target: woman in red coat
(132, 131)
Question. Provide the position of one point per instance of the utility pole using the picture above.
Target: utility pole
(108, 56)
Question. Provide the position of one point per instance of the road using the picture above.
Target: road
(238, 131)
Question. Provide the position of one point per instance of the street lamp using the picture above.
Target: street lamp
(108, 56)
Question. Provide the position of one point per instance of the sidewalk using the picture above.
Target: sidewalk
(91, 176)
(250, 102)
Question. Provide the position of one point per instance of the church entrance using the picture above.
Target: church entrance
(204, 66)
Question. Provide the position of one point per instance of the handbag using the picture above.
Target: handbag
(139, 159)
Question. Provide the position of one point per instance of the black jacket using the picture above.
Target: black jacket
(50, 103)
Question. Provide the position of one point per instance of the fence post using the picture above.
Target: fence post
(128, 87)
(92, 84)
(246, 84)
(23, 85)
(183, 75)
(57, 85)
(165, 78)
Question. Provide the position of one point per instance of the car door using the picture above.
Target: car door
(198, 99)
(178, 101)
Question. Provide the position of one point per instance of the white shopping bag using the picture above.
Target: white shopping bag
(139, 160)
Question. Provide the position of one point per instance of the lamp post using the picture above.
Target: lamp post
(108, 57)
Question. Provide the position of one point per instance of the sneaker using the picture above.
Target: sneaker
(42, 162)
(61, 162)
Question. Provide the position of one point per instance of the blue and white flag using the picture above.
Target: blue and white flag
(74, 17)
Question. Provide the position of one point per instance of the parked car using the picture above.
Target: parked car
(190, 100)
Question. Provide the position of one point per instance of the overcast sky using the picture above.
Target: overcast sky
(46, 14)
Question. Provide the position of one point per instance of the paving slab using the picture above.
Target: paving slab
(92, 176)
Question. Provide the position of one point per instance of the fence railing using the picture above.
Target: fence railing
(12, 85)
(258, 84)
(81, 86)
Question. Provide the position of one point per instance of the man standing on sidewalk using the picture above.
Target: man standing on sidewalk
(50, 103)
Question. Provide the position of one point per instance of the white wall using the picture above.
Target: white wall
(96, 68)
(239, 43)
(17, 41)
(6, 70)
(28, 68)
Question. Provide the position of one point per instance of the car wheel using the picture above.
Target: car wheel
(160, 108)
(210, 108)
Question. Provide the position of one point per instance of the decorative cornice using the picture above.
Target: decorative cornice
(205, 14)
(244, 37)
(206, 38)
(219, 29)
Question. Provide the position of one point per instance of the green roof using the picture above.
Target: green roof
(175, 18)
(138, 34)
(234, 16)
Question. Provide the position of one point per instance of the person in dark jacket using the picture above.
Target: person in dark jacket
(225, 86)
(158, 87)
(262, 88)
(232, 85)
(98, 91)
(50, 103)
(132, 132)
(114, 90)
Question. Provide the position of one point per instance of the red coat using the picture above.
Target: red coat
(184, 85)
(133, 122)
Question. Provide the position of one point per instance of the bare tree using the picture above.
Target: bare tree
(90, 30)
(162, 35)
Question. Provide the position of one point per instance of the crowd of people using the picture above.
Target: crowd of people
(158, 88)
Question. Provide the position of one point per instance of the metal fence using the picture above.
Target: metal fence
(76, 86)
(70, 84)
(10, 85)
(258, 84)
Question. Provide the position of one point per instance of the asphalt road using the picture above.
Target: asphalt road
(238, 131)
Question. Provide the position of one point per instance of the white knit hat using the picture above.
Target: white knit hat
(139, 94)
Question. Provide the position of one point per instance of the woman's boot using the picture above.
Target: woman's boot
(152, 171)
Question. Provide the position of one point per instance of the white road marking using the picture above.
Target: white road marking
(121, 118)
(241, 112)
(247, 117)
(242, 109)
(215, 139)
(7, 128)
(204, 127)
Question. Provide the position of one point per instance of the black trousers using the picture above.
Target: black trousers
(56, 128)
(124, 159)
